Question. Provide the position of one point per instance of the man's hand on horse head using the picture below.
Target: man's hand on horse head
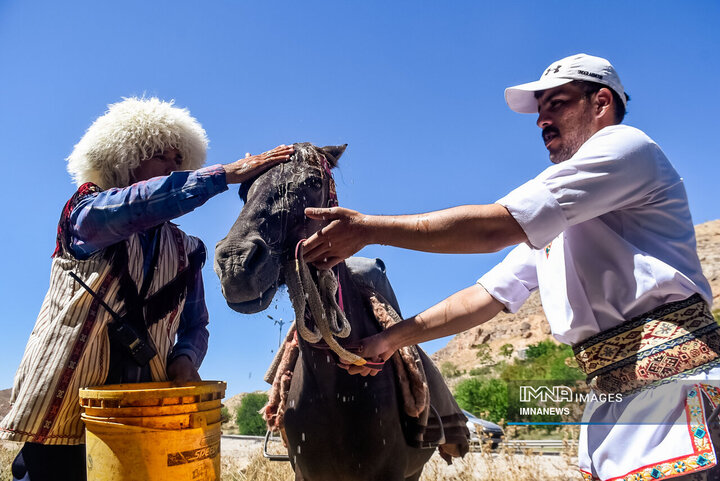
(346, 234)
(253, 165)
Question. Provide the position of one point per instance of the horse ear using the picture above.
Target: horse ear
(333, 153)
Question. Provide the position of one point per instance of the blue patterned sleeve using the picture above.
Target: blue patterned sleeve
(192, 334)
(109, 216)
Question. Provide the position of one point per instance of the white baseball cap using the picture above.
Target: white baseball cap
(521, 98)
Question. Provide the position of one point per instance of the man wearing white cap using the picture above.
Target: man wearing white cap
(126, 300)
(605, 234)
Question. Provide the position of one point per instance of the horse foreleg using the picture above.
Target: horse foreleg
(298, 474)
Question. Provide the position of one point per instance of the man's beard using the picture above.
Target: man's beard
(570, 141)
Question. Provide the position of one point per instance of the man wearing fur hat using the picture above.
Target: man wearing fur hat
(137, 167)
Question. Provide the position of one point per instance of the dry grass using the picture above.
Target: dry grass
(482, 466)
(258, 469)
(8, 451)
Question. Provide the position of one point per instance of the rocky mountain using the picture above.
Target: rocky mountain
(529, 325)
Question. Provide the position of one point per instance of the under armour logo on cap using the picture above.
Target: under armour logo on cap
(557, 69)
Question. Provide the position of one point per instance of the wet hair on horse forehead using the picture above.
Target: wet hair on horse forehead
(308, 153)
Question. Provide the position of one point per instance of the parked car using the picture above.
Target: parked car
(483, 432)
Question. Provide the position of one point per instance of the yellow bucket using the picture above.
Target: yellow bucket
(153, 431)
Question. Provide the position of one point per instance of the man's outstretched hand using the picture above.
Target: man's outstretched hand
(374, 348)
(347, 233)
(253, 165)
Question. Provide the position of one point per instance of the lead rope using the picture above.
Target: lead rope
(330, 320)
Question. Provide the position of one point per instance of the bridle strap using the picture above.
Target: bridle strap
(330, 320)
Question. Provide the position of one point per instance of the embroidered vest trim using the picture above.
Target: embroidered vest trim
(672, 341)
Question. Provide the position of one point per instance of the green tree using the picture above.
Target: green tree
(483, 395)
(541, 349)
(249, 420)
(483, 353)
(449, 370)
(224, 414)
(546, 360)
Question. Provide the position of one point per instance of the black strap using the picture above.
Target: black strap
(150, 274)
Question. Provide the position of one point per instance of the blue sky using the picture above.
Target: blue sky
(415, 89)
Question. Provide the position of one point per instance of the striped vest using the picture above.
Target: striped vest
(69, 346)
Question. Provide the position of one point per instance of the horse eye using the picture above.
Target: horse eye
(313, 183)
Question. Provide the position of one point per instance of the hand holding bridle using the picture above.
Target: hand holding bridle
(344, 236)
(373, 348)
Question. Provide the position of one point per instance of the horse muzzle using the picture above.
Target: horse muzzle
(248, 273)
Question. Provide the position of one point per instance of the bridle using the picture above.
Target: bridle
(328, 314)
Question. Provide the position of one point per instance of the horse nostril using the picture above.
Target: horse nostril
(252, 255)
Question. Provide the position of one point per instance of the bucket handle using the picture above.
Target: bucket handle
(197, 420)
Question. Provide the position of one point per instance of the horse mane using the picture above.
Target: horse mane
(314, 155)
(308, 152)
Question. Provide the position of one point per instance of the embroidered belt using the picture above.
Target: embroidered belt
(674, 340)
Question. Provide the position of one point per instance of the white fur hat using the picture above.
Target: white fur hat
(132, 131)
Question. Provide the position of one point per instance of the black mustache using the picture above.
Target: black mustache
(550, 129)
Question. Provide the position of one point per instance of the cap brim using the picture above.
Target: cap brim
(521, 98)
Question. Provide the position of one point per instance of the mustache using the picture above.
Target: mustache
(550, 129)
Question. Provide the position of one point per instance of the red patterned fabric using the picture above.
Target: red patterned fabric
(63, 230)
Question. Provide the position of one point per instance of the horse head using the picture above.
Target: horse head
(325, 407)
(249, 259)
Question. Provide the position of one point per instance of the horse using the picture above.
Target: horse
(337, 425)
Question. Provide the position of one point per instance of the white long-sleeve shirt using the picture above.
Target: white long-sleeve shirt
(610, 237)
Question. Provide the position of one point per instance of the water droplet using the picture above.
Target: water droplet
(329, 244)
(303, 436)
(328, 359)
(365, 385)
(384, 442)
(299, 449)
